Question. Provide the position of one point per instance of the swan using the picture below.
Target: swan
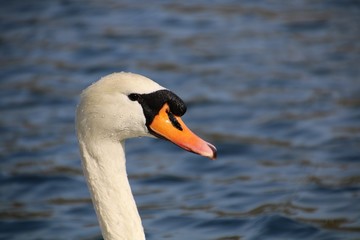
(117, 107)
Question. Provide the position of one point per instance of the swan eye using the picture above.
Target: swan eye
(134, 96)
(173, 120)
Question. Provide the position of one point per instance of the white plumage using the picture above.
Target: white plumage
(105, 118)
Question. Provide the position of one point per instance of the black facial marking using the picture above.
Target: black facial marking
(174, 121)
(152, 103)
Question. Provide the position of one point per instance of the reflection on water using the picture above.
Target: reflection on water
(274, 85)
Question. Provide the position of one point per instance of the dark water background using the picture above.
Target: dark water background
(273, 84)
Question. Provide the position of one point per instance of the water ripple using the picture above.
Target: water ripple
(274, 86)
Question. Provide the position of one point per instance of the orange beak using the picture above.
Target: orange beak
(172, 128)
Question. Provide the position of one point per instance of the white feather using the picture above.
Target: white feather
(105, 118)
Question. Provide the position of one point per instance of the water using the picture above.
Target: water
(273, 84)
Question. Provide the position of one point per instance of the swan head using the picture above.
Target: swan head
(126, 105)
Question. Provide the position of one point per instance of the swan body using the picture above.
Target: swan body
(117, 107)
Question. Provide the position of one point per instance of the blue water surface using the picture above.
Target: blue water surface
(273, 84)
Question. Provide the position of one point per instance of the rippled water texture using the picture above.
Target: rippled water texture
(273, 84)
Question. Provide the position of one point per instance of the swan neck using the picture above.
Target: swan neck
(104, 167)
